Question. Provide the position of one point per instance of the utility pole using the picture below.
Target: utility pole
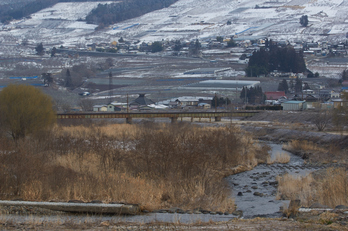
(215, 103)
(127, 104)
(110, 87)
(245, 95)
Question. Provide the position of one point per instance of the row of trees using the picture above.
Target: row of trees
(108, 14)
(252, 95)
(297, 86)
(284, 59)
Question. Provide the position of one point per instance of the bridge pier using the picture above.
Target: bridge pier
(129, 120)
(217, 118)
(174, 119)
(191, 119)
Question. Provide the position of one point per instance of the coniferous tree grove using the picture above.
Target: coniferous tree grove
(283, 86)
(283, 59)
(12, 11)
(253, 95)
(107, 14)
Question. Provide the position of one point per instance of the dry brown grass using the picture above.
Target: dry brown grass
(303, 145)
(329, 188)
(154, 165)
(282, 158)
(296, 188)
(318, 153)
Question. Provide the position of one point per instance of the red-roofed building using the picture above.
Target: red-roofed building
(275, 95)
(345, 83)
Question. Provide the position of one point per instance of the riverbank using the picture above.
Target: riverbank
(282, 224)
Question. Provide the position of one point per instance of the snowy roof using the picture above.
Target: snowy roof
(222, 84)
(206, 71)
(186, 99)
(293, 102)
(99, 106)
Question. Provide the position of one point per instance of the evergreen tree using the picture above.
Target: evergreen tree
(220, 101)
(344, 75)
(298, 85)
(283, 86)
(156, 47)
(195, 47)
(39, 49)
(304, 20)
(53, 51)
(47, 77)
(284, 59)
(68, 79)
(253, 95)
(231, 43)
(219, 39)
(177, 45)
(292, 85)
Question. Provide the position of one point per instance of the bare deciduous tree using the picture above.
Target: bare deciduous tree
(322, 119)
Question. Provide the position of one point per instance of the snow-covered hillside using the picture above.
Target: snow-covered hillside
(190, 19)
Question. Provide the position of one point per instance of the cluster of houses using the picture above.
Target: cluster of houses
(144, 103)
(309, 99)
(248, 43)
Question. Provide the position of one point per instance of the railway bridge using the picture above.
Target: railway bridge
(174, 116)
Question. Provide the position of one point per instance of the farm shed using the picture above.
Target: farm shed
(294, 105)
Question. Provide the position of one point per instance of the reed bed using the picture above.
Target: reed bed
(155, 165)
(281, 158)
(328, 188)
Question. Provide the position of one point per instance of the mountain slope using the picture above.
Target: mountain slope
(190, 19)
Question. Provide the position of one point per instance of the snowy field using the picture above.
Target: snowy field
(189, 19)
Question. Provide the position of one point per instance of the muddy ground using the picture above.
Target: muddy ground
(236, 224)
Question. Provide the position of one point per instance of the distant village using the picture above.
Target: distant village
(312, 96)
(233, 45)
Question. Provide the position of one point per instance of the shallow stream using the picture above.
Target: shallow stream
(255, 190)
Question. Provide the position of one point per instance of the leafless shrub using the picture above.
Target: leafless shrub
(322, 119)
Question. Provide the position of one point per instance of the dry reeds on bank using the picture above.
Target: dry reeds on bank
(153, 165)
(328, 188)
(281, 158)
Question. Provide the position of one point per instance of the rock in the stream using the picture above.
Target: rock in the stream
(240, 194)
(95, 202)
(238, 213)
(341, 207)
(258, 194)
(75, 201)
(318, 206)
